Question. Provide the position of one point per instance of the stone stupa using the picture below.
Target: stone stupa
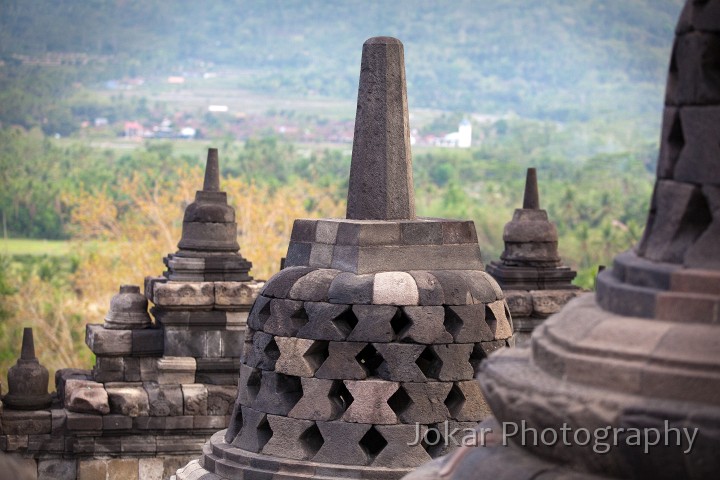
(374, 326)
(535, 282)
(638, 361)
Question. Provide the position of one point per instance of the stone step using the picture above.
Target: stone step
(688, 307)
(696, 281)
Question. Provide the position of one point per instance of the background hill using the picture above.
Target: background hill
(555, 59)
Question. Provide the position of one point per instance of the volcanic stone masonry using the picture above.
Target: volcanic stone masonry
(158, 390)
(535, 283)
(376, 323)
(644, 351)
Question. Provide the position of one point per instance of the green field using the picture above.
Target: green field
(24, 246)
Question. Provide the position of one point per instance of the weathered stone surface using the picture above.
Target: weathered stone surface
(426, 325)
(300, 357)
(466, 403)
(278, 393)
(399, 362)
(234, 294)
(451, 362)
(184, 294)
(327, 321)
(314, 286)
(374, 323)
(678, 216)
(259, 313)
(84, 396)
(263, 352)
(248, 384)
(280, 284)
(547, 302)
(221, 399)
(455, 289)
(176, 370)
(57, 469)
(195, 398)
(114, 422)
(422, 402)
(255, 431)
(370, 404)
(351, 289)
(286, 317)
(342, 362)
(321, 400)
(498, 319)
(430, 291)
(519, 302)
(705, 252)
(103, 341)
(381, 185)
(342, 443)
(84, 422)
(395, 288)
(401, 450)
(466, 323)
(292, 438)
(128, 400)
(19, 422)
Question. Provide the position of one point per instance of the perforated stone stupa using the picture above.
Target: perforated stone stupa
(644, 352)
(375, 324)
(530, 272)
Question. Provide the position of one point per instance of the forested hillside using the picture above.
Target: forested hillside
(557, 59)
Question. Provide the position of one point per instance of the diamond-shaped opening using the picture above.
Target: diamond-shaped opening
(399, 401)
(264, 432)
(400, 322)
(236, 423)
(346, 321)
(489, 314)
(299, 318)
(369, 358)
(428, 362)
(341, 394)
(433, 441)
(252, 387)
(271, 350)
(477, 355)
(452, 322)
(312, 440)
(675, 141)
(372, 442)
(455, 400)
(317, 353)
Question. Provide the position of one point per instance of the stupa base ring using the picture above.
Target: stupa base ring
(229, 462)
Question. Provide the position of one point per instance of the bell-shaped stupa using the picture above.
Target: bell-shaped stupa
(626, 383)
(27, 379)
(370, 335)
(208, 249)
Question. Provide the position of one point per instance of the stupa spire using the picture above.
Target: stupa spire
(531, 200)
(27, 352)
(212, 172)
(381, 181)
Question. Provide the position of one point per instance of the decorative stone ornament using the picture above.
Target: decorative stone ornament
(208, 249)
(27, 379)
(128, 310)
(374, 326)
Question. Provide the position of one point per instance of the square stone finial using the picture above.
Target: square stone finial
(381, 180)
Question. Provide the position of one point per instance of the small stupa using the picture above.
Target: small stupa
(370, 335)
(27, 379)
(530, 271)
